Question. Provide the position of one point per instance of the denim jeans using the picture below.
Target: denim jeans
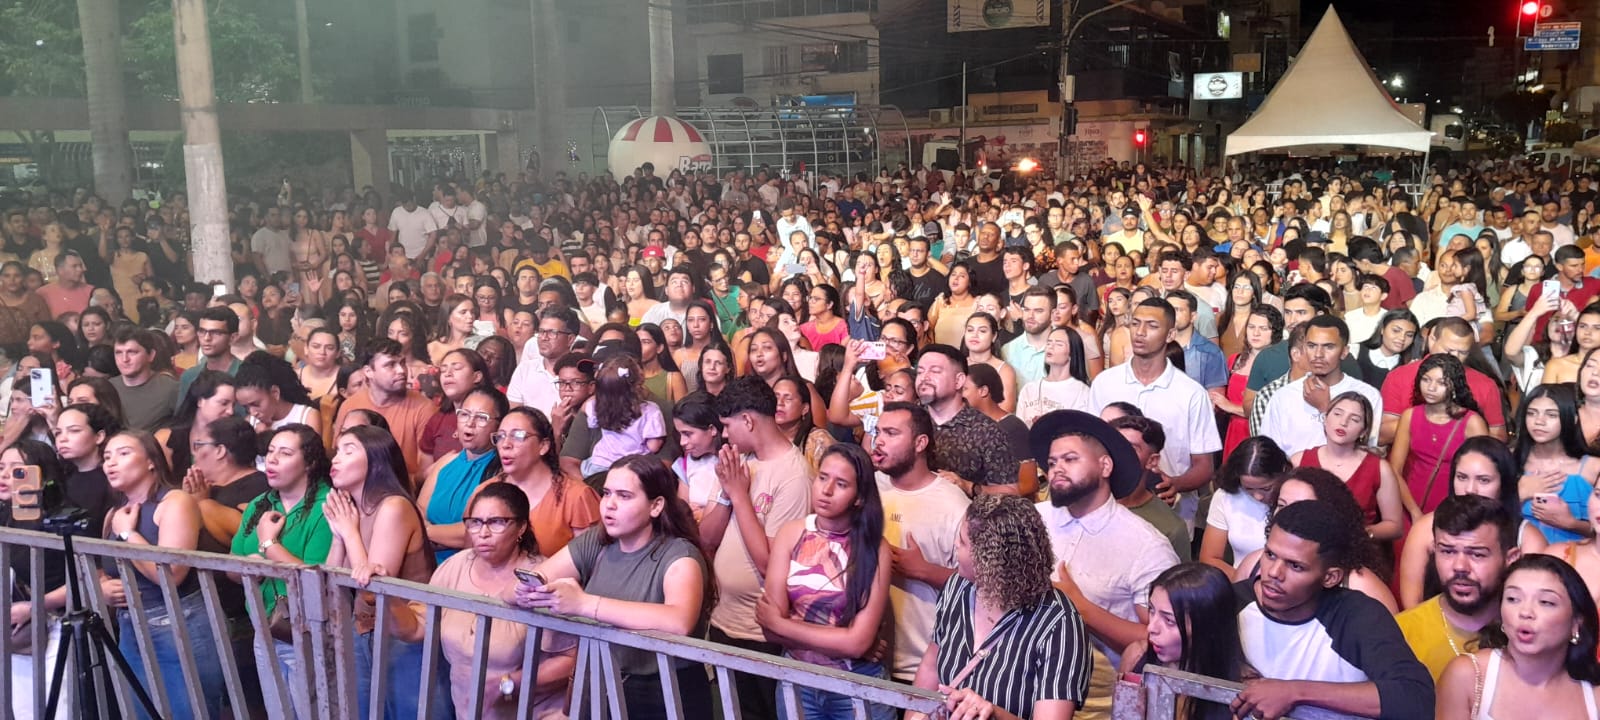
(282, 654)
(202, 648)
(819, 705)
(404, 678)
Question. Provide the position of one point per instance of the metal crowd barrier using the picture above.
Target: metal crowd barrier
(1163, 687)
(320, 603)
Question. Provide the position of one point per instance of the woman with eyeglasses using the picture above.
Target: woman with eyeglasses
(561, 506)
(455, 476)
(500, 541)
(460, 373)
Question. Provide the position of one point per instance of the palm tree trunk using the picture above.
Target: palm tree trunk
(202, 148)
(101, 24)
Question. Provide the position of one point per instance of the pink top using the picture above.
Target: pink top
(837, 336)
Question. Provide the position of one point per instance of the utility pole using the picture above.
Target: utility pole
(303, 32)
(1069, 28)
(202, 144)
(549, 86)
(663, 76)
(112, 152)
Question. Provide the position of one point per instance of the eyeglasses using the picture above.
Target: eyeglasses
(573, 384)
(212, 331)
(896, 343)
(496, 525)
(474, 418)
(197, 444)
(520, 436)
(548, 334)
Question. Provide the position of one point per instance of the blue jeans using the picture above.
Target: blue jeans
(404, 678)
(820, 705)
(202, 648)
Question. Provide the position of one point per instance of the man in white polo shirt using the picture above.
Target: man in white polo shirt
(1151, 383)
(1293, 416)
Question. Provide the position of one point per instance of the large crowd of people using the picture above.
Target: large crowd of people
(1294, 426)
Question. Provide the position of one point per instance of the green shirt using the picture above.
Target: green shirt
(305, 535)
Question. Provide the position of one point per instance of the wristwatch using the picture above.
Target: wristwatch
(123, 536)
(265, 544)
(507, 687)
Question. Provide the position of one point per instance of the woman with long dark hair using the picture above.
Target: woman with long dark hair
(660, 371)
(1065, 381)
(1194, 627)
(1541, 654)
(1443, 413)
(27, 602)
(1244, 295)
(211, 397)
(981, 344)
(1238, 516)
(1346, 429)
(1392, 345)
(455, 476)
(268, 389)
(641, 568)
(286, 524)
(1262, 328)
(378, 530)
(835, 570)
(155, 512)
(1557, 475)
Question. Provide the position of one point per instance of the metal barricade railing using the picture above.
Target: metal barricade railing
(320, 606)
(1163, 687)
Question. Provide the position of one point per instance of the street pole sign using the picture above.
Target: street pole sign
(1553, 36)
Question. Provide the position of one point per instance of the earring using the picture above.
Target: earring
(1575, 636)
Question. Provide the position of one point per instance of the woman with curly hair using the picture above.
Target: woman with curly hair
(1443, 413)
(998, 615)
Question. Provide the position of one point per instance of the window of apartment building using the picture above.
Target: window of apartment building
(422, 37)
(777, 60)
(725, 74)
(834, 57)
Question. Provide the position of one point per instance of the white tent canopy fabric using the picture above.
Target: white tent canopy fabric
(1328, 98)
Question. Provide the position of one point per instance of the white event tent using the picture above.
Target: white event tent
(1328, 99)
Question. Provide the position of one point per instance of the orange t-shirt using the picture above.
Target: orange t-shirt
(553, 520)
(407, 419)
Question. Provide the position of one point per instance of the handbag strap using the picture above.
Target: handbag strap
(1434, 475)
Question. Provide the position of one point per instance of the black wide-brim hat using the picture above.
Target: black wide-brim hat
(1125, 469)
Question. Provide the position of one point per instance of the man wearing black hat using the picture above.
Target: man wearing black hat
(1108, 555)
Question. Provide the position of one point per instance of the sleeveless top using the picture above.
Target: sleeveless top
(451, 488)
(297, 414)
(1491, 679)
(1363, 483)
(817, 575)
(149, 591)
(1432, 446)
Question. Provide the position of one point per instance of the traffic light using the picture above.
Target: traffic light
(1139, 138)
(1530, 8)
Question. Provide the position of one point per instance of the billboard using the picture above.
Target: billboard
(1218, 86)
(970, 15)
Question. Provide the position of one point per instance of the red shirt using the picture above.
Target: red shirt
(1401, 291)
(1580, 296)
(378, 241)
(1401, 382)
(61, 300)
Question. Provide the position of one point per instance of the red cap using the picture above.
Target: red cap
(654, 251)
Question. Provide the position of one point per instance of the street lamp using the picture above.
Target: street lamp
(1397, 82)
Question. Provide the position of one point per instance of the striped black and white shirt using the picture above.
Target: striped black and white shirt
(1036, 653)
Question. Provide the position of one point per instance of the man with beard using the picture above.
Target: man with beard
(922, 516)
(1474, 540)
(1107, 556)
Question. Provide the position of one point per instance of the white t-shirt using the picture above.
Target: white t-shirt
(411, 229)
(479, 212)
(1242, 518)
(933, 515)
(1296, 425)
(1040, 397)
(443, 215)
(1361, 325)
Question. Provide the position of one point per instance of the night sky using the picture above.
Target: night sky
(1426, 40)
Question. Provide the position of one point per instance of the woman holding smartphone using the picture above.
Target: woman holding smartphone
(640, 569)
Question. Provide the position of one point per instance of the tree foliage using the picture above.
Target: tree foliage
(251, 61)
(41, 52)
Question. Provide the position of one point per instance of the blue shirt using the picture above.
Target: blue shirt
(1203, 361)
(1027, 362)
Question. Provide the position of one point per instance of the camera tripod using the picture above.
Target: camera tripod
(83, 634)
